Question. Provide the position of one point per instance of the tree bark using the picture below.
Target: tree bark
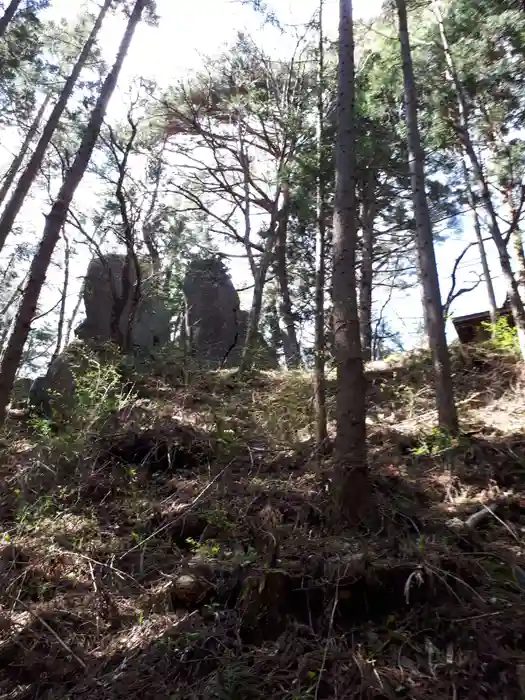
(32, 168)
(321, 432)
(351, 475)
(17, 161)
(63, 301)
(8, 16)
(250, 341)
(517, 240)
(72, 318)
(493, 309)
(367, 258)
(147, 230)
(435, 325)
(292, 351)
(57, 217)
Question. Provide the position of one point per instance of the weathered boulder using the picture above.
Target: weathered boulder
(106, 298)
(212, 313)
(216, 326)
(20, 392)
(52, 395)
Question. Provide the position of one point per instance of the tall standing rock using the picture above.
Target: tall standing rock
(212, 313)
(215, 324)
(104, 302)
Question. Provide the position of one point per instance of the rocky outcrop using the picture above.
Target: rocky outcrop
(116, 311)
(52, 395)
(215, 324)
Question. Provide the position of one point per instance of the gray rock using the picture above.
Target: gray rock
(52, 395)
(216, 326)
(103, 302)
(212, 313)
(20, 392)
(39, 396)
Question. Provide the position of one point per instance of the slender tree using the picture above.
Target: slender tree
(34, 164)
(368, 211)
(8, 15)
(63, 298)
(17, 161)
(493, 309)
(321, 433)
(292, 350)
(352, 482)
(57, 217)
(434, 322)
(462, 127)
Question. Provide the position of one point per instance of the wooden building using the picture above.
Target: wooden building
(470, 328)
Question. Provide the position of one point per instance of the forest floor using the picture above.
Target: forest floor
(183, 550)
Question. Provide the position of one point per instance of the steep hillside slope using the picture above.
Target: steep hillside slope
(173, 542)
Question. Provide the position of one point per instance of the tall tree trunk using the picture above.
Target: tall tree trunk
(321, 432)
(63, 301)
(32, 168)
(292, 352)
(517, 240)
(57, 217)
(351, 476)
(6, 326)
(493, 309)
(147, 229)
(17, 161)
(72, 318)
(367, 258)
(8, 16)
(153, 251)
(516, 303)
(435, 324)
(273, 324)
(250, 340)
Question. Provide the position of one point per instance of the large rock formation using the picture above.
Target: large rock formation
(215, 324)
(114, 313)
(104, 302)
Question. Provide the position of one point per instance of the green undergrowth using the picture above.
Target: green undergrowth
(174, 540)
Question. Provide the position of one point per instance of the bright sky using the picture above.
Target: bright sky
(170, 51)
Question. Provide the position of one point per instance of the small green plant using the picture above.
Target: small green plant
(246, 557)
(138, 537)
(43, 427)
(206, 550)
(234, 682)
(219, 518)
(434, 442)
(503, 337)
(225, 436)
(99, 394)
(28, 514)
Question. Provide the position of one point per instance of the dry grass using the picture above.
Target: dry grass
(182, 550)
